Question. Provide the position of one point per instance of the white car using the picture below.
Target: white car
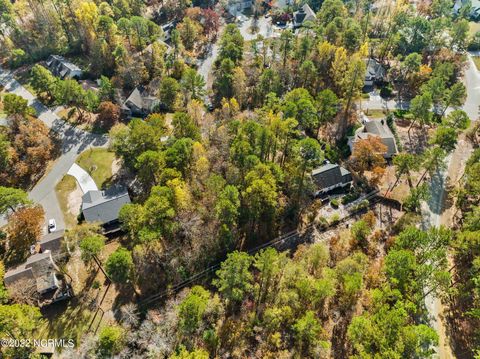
(52, 225)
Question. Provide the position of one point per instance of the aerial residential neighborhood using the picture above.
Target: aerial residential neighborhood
(239, 179)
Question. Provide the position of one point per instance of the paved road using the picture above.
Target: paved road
(206, 65)
(472, 84)
(263, 27)
(375, 102)
(433, 210)
(74, 142)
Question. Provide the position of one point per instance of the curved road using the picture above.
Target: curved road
(74, 142)
(433, 211)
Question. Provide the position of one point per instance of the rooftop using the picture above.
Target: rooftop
(38, 267)
(104, 206)
(304, 14)
(52, 241)
(379, 128)
(329, 175)
(61, 66)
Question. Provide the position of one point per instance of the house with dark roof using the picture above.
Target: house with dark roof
(41, 275)
(139, 103)
(375, 74)
(55, 243)
(104, 206)
(236, 7)
(62, 68)
(329, 177)
(376, 128)
(474, 7)
(305, 13)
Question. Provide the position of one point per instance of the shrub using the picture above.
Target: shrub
(386, 91)
(350, 197)
(110, 341)
(119, 265)
(334, 219)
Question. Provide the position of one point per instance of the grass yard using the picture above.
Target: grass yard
(71, 319)
(98, 163)
(476, 60)
(68, 320)
(64, 189)
(375, 113)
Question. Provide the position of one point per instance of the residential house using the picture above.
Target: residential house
(329, 177)
(104, 206)
(55, 243)
(39, 277)
(375, 74)
(62, 68)
(236, 7)
(474, 10)
(139, 103)
(376, 128)
(305, 13)
(167, 30)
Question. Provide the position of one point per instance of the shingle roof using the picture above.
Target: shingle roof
(329, 175)
(17, 274)
(39, 267)
(304, 14)
(141, 100)
(60, 66)
(135, 98)
(381, 129)
(375, 70)
(104, 206)
(52, 241)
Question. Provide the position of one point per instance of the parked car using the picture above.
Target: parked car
(52, 225)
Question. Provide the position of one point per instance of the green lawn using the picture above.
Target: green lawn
(68, 320)
(67, 185)
(98, 163)
(375, 113)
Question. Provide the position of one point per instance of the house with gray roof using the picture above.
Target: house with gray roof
(41, 274)
(104, 206)
(305, 13)
(236, 7)
(63, 68)
(474, 7)
(377, 128)
(55, 243)
(331, 176)
(139, 103)
(374, 74)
